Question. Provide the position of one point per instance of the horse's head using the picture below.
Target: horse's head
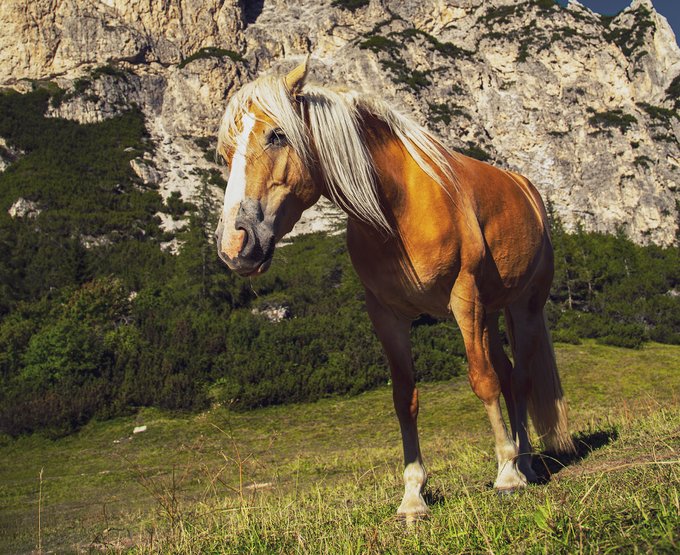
(263, 139)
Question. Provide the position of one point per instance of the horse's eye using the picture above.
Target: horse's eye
(276, 137)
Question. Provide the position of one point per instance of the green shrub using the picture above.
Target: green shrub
(500, 14)
(630, 39)
(643, 161)
(66, 368)
(175, 206)
(607, 286)
(546, 4)
(446, 48)
(445, 112)
(109, 69)
(658, 112)
(476, 152)
(378, 43)
(402, 73)
(613, 118)
(566, 336)
(664, 333)
(631, 336)
(673, 91)
(210, 52)
(438, 351)
(351, 5)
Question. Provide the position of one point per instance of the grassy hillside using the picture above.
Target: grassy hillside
(326, 477)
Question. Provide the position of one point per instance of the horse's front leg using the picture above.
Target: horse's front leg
(393, 333)
(479, 330)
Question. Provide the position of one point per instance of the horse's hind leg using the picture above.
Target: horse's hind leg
(394, 335)
(520, 386)
(478, 329)
(503, 368)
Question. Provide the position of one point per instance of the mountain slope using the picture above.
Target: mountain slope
(581, 104)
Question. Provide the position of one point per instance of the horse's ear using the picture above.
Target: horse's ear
(296, 78)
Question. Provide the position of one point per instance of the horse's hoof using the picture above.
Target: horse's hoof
(412, 509)
(531, 476)
(411, 519)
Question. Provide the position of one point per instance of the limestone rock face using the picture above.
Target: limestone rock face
(178, 28)
(44, 38)
(584, 106)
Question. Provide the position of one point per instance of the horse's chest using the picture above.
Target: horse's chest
(402, 283)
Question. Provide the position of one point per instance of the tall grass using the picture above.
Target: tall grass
(618, 497)
(325, 477)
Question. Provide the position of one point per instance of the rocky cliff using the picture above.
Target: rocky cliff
(582, 105)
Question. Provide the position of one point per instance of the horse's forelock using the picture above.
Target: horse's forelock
(269, 95)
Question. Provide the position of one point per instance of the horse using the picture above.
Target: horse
(429, 231)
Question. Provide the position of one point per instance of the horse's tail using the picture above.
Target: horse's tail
(546, 403)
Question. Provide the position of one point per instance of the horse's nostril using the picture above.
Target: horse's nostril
(244, 240)
(245, 234)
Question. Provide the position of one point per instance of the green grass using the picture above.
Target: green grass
(330, 474)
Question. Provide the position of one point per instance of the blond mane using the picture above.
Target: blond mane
(333, 118)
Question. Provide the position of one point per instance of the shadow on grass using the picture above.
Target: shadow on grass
(547, 463)
(433, 496)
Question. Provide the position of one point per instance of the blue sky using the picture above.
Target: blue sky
(670, 9)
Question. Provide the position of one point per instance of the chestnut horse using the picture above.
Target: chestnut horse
(429, 231)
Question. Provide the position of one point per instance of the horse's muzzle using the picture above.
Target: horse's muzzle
(253, 237)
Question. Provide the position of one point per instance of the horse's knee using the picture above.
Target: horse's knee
(485, 383)
(413, 406)
(405, 397)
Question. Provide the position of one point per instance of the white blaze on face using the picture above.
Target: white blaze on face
(232, 239)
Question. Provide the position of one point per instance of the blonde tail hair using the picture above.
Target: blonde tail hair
(547, 405)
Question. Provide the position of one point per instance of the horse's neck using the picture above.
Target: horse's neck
(405, 189)
(391, 160)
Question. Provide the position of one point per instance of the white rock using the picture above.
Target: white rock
(22, 208)
(145, 172)
(92, 241)
(273, 313)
